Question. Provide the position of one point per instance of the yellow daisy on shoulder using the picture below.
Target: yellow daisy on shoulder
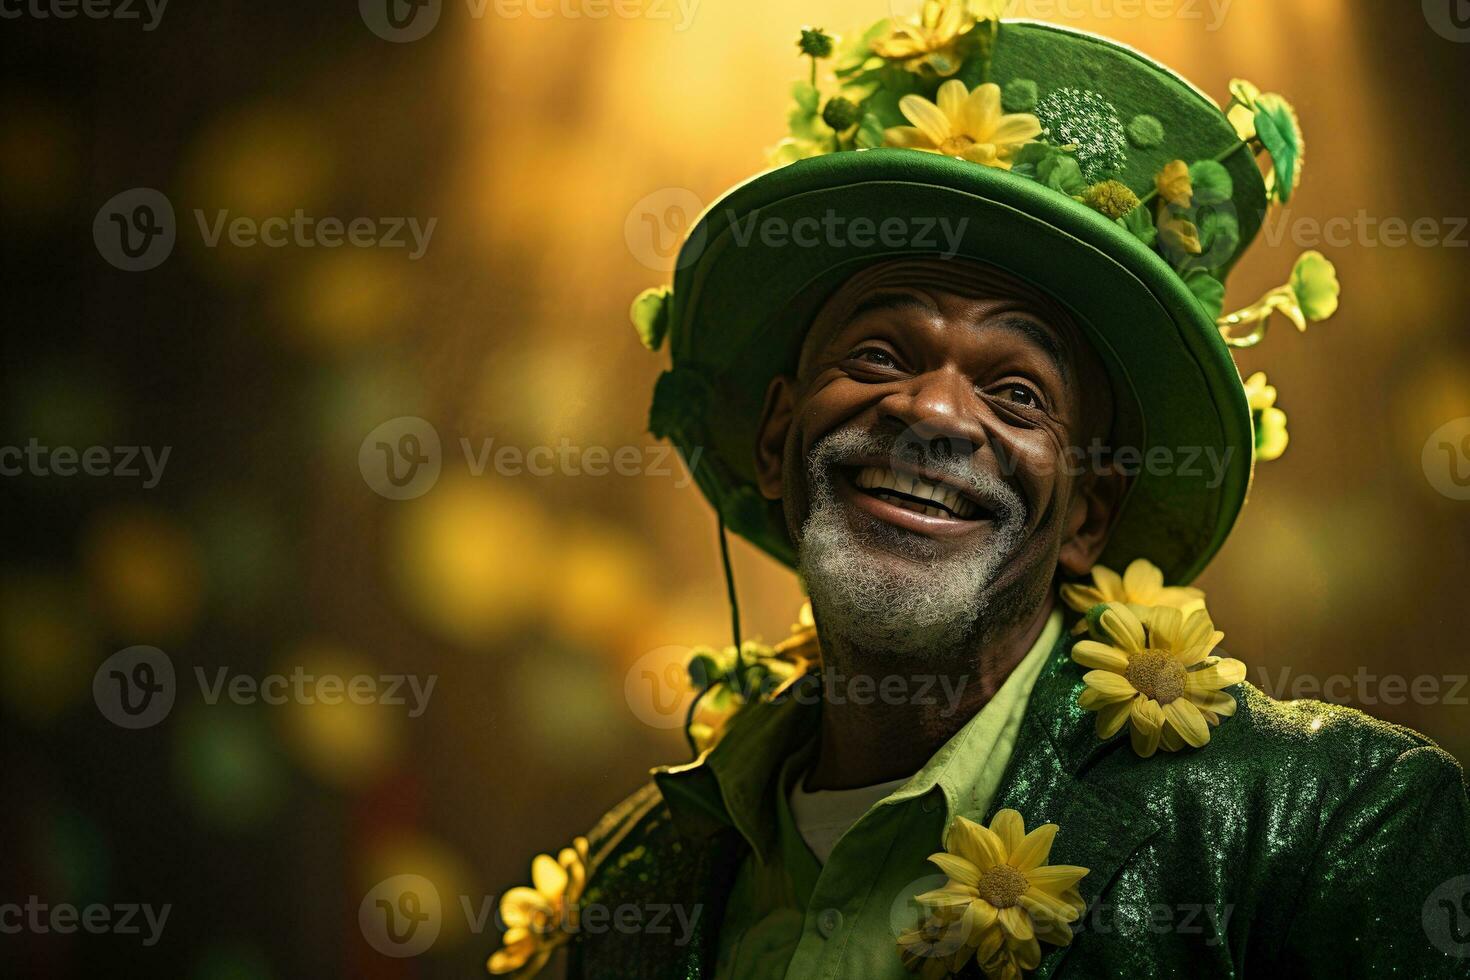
(1156, 675)
(538, 920)
(1141, 585)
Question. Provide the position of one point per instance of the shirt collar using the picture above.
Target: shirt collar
(968, 768)
(733, 783)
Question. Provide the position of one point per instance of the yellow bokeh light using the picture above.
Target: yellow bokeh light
(146, 574)
(267, 160)
(337, 298)
(341, 740)
(46, 646)
(409, 853)
(602, 585)
(471, 558)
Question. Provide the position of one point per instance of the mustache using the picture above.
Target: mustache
(845, 447)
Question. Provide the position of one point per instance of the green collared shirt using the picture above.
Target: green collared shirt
(789, 915)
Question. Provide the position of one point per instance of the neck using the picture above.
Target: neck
(868, 737)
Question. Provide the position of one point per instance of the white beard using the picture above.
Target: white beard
(925, 607)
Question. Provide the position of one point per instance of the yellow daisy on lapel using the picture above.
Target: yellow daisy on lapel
(1155, 674)
(1001, 901)
(1141, 585)
(538, 920)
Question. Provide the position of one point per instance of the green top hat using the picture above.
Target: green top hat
(1070, 161)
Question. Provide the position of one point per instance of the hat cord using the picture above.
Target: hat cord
(739, 673)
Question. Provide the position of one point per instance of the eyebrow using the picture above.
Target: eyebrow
(888, 302)
(1041, 337)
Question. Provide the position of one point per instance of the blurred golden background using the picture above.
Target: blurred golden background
(557, 153)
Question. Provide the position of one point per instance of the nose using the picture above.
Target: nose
(939, 414)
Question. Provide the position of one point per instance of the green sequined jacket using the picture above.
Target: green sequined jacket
(1334, 840)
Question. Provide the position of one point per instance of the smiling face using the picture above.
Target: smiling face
(921, 454)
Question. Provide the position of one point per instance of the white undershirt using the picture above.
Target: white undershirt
(824, 815)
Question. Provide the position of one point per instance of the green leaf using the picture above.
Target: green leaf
(806, 96)
(1208, 290)
(870, 133)
(883, 103)
(1029, 157)
(650, 316)
(1219, 235)
(1212, 183)
(1140, 224)
(1061, 173)
(704, 669)
(1314, 283)
(1278, 131)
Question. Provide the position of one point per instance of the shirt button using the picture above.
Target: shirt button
(829, 922)
(931, 803)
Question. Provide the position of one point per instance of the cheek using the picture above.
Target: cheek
(1035, 459)
(828, 407)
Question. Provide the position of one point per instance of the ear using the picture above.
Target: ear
(770, 436)
(1090, 519)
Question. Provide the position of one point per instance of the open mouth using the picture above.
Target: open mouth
(916, 493)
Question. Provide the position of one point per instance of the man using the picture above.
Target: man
(995, 756)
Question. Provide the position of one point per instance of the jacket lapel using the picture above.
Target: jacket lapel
(1046, 782)
(723, 809)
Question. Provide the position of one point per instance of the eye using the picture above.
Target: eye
(876, 356)
(1019, 394)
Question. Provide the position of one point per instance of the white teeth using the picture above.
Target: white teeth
(952, 501)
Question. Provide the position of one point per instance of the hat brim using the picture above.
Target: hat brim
(761, 261)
